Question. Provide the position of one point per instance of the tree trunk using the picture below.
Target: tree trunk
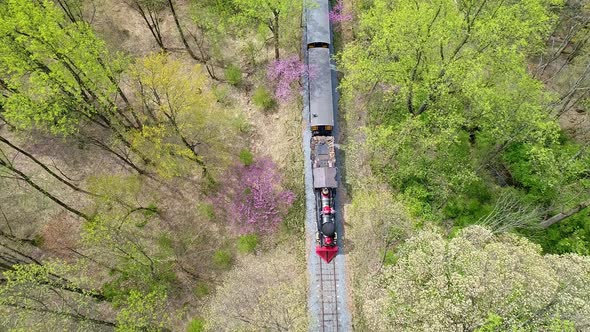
(204, 57)
(28, 180)
(275, 32)
(36, 161)
(564, 215)
(188, 48)
(151, 23)
(74, 316)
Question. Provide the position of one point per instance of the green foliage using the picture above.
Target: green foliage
(233, 75)
(222, 259)
(548, 173)
(196, 325)
(466, 209)
(181, 119)
(390, 258)
(141, 255)
(259, 16)
(537, 176)
(493, 323)
(59, 74)
(444, 80)
(247, 243)
(143, 312)
(206, 210)
(150, 211)
(570, 235)
(38, 240)
(165, 242)
(35, 297)
(263, 99)
(246, 157)
(222, 94)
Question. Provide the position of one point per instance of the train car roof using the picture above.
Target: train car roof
(320, 87)
(318, 21)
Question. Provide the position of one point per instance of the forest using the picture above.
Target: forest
(151, 166)
(467, 161)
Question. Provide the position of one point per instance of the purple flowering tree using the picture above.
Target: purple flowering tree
(252, 199)
(337, 14)
(282, 74)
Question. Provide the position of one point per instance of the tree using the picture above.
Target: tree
(459, 284)
(35, 296)
(74, 10)
(150, 11)
(179, 120)
(59, 77)
(283, 73)
(449, 91)
(252, 199)
(266, 13)
(10, 169)
(338, 14)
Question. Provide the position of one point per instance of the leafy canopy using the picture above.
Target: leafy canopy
(57, 74)
(478, 280)
(447, 78)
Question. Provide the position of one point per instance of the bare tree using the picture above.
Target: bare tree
(150, 11)
(510, 213)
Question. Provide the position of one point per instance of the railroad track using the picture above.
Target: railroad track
(329, 300)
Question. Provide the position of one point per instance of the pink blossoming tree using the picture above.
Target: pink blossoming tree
(252, 199)
(283, 74)
(337, 14)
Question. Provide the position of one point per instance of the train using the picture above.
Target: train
(321, 121)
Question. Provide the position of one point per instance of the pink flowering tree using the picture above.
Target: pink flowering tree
(283, 74)
(337, 14)
(252, 199)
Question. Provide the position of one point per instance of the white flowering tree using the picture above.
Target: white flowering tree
(478, 281)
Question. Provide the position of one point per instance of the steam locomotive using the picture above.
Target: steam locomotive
(321, 120)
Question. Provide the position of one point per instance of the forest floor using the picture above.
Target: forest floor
(276, 133)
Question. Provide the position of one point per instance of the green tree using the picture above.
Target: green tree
(179, 120)
(449, 92)
(36, 296)
(58, 76)
(269, 14)
(478, 280)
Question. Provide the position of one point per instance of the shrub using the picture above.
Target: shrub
(247, 243)
(246, 157)
(252, 199)
(201, 290)
(206, 210)
(263, 99)
(222, 259)
(233, 75)
(196, 325)
(221, 93)
(150, 211)
(165, 242)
